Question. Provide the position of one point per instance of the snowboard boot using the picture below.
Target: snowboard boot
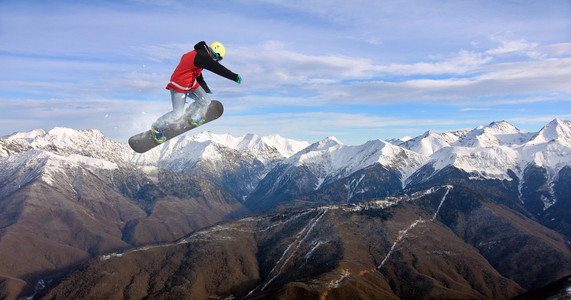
(158, 136)
(196, 123)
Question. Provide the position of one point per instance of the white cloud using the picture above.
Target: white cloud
(151, 83)
(515, 47)
(559, 49)
(162, 53)
(465, 76)
(459, 63)
(475, 109)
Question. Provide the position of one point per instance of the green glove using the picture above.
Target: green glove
(239, 79)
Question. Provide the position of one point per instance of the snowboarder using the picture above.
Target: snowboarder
(187, 81)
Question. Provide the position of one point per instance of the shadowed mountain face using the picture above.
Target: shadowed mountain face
(421, 246)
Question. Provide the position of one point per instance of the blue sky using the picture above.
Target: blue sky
(356, 70)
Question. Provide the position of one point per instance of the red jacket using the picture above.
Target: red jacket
(183, 78)
(188, 74)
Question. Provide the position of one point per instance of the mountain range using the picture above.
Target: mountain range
(325, 218)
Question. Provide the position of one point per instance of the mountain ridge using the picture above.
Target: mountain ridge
(64, 140)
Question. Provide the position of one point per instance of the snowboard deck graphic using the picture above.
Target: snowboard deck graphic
(144, 141)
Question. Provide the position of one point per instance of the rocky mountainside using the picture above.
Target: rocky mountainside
(446, 242)
(67, 195)
(64, 200)
(238, 164)
(527, 171)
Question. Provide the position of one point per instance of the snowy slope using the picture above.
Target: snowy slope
(490, 151)
(66, 141)
(205, 145)
(487, 151)
(482, 162)
(495, 134)
(253, 143)
(550, 147)
(330, 159)
(429, 142)
(556, 131)
(22, 168)
(209, 146)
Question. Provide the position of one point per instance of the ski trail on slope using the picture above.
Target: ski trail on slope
(402, 234)
(311, 225)
(285, 258)
(441, 202)
(521, 178)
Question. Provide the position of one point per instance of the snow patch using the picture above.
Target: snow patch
(109, 256)
(27, 136)
(337, 283)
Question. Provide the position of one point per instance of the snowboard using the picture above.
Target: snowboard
(144, 141)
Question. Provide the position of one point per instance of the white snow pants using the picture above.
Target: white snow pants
(197, 108)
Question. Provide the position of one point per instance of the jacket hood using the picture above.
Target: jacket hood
(202, 46)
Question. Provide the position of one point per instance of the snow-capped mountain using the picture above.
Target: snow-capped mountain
(204, 144)
(67, 141)
(328, 161)
(429, 142)
(67, 195)
(496, 134)
(105, 196)
(491, 151)
(556, 131)
(243, 165)
(93, 143)
(238, 163)
(498, 151)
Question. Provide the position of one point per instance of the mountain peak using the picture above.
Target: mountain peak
(558, 123)
(430, 133)
(26, 135)
(406, 138)
(427, 143)
(333, 139)
(500, 123)
(502, 127)
(64, 131)
(225, 139)
(556, 130)
(286, 147)
(495, 134)
(324, 144)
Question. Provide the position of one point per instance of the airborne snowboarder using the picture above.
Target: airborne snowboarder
(187, 81)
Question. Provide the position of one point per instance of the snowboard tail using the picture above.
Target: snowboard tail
(144, 141)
